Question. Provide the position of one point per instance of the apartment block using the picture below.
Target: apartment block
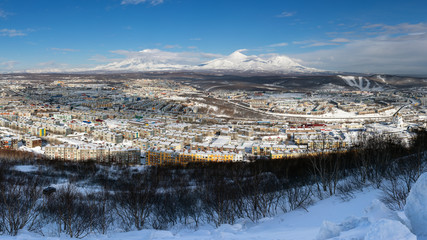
(94, 153)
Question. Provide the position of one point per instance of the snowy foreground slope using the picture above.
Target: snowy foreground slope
(363, 217)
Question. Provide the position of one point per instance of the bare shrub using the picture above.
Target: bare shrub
(394, 194)
(217, 205)
(18, 205)
(133, 204)
(73, 212)
(349, 186)
(299, 197)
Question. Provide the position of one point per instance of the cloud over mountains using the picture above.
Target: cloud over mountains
(394, 49)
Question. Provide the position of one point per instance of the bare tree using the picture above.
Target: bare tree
(394, 194)
(18, 206)
(217, 204)
(325, 166)
(74, 213)
(134, 203)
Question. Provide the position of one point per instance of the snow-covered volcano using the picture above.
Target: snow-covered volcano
(145, 60)
(237, 61)
(156, 60)
(137, 64)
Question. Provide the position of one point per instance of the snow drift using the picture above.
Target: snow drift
(416, 206)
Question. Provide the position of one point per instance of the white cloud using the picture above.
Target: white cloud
(380, 54)
(340, 40)
(64, 49)
(320, 44)
(8, 65)
(103, 59)
(55, 67)
(279, 44)
(52, 64)
(171, 46)
(303, 42)
(314, 43)
(11, 32)
(380, 48)
(3, 14)
(285, 14)
(397, 29)
(135, 2)
(195, 39)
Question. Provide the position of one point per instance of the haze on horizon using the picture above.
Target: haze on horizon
(358, 36)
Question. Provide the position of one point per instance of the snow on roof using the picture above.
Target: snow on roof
(222, 140)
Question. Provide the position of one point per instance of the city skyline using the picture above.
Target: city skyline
(380, 37)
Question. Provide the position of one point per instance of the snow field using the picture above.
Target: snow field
(416, 209)
(360, 83)
(363, 217)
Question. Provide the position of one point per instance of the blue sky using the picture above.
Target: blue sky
(362, 36)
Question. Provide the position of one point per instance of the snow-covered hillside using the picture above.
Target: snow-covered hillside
(348, 215)
(381, 78)
(363, 217)
(361, 83)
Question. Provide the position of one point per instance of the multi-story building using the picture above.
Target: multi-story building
(9, 143)
(164, 157)
(32, 142)
(108, 136)
(93, 153)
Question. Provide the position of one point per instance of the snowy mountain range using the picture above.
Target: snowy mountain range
(147, 60)
(237, 61)
(136, 64)
(153, 60)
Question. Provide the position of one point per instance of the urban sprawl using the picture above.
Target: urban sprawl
(155, 121)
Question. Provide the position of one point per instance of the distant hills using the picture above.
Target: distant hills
(250, 81)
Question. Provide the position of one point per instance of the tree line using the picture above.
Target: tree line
(99, 198)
